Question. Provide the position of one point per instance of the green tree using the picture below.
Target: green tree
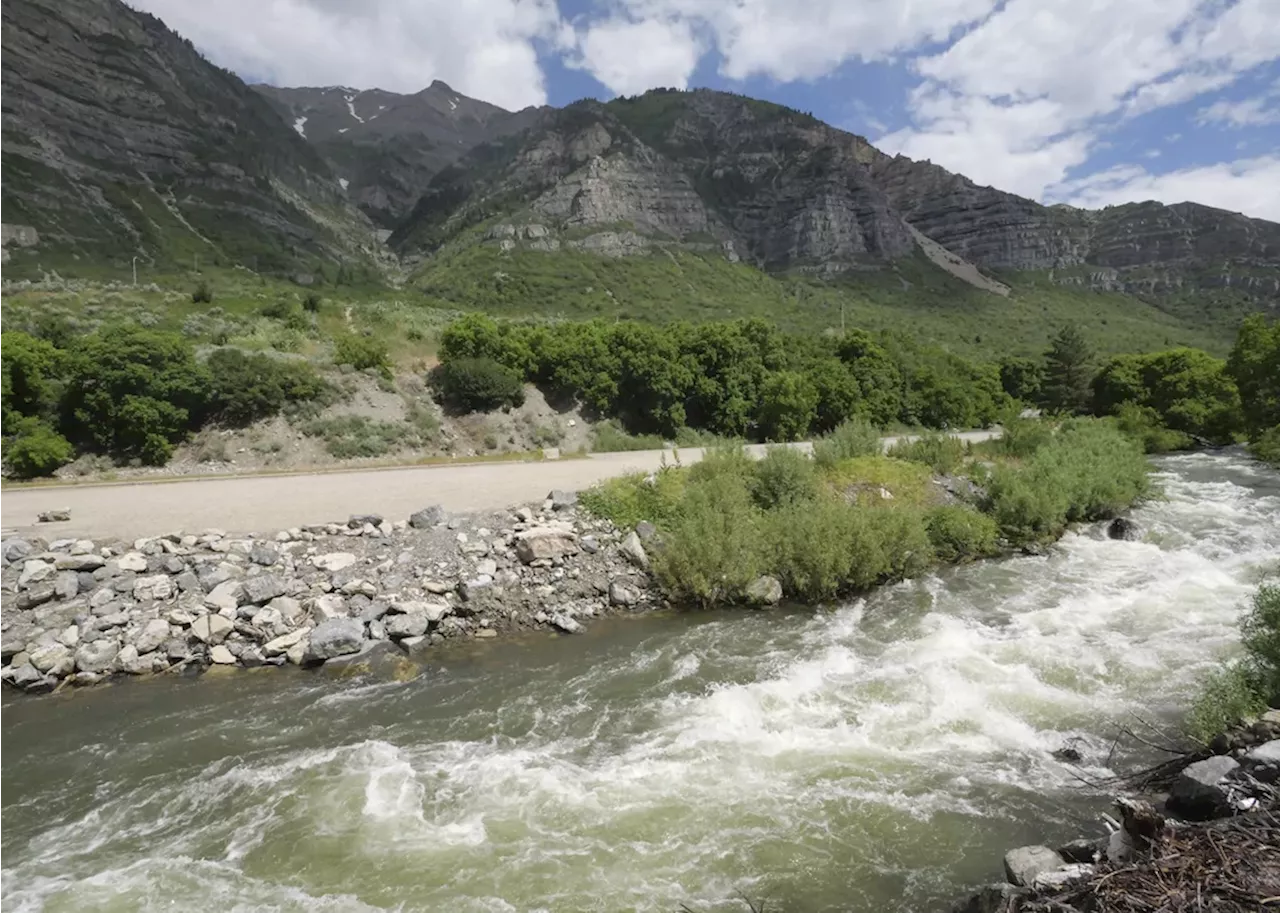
(1189, 390)
(1254, 364)
(29, 367)
(1022, 378)
(788, 406)
(1067, 372)
(245, 388)
(478, 384)
(35, 449)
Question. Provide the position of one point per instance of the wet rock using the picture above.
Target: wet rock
(1068, 754)
(427, 517)
(335, 637)
(222, 656)
(545, 542)
(633, 551)
(97, 655)
(764, 591)
(1022, 865)
(29, 678)
(622, 593)
(1202, 790)
(263, 588)
(1125, 529)
(79, 562)
(1083, 851)
(334, 561)
(381, 659)
(646, 530)
(565, 623)
(211, 629)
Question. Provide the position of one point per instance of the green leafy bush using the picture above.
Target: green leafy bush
(1266, 446)
(35, 449)
(785, 476)
(1021, 437)
(729, 460)
(1188, 390)
(1254, 365)
(30, 369)
(1143, 424)
(942, 453)
(361, 352)
(312, 303)
(960, 534)
(246, 388)
(356, 436)
(822, 549)
(788, 406)
(629, 499)
(1246, 686)
(608, 437)
(478, 384)
(853, 438)
(203, 294)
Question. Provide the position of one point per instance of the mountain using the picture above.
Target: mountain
(119, 140)
(386, 147)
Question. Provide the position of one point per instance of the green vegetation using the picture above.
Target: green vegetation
(942, 453)
(1246, 686)
(1143, 424)
(245, 388)
(834, 528)
(478, 384)
(1066, 372)
(1254, 364)
(355, 436)
(851, 438)
(35, 449)
(1189, 391)
(609, 437)
(361, 352)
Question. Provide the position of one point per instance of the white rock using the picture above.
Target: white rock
(34, 571)
(284, 642)
(334, 561)
(329, 606)
(225, 595)
(211, 629)
(133, 561)
(222, 656)
(54, 659)
(153, 635)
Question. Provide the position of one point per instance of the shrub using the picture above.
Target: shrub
(312, 303)
(1248, 685)
(609, 437)
(852, 438)
(1189, 391)
(629, 499)
(959, 534)
(246, 388)
(942, 453)
(478, 384)
(35, 449)
(904, 542)
(361, 352)
(713, 547)
(723, 460)
(351, 436)
(1021, 437)
(1266, 446)
(203, 294)
(785, 476)
(822, 549)
(30, 367)
(788, 406)
(1142, 423)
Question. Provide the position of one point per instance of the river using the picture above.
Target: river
(878, 756)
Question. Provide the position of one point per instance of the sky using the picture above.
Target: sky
(1087, 102)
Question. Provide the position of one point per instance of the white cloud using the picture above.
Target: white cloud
(630, 57)
(1251, 186)
(484, 48)
(1251, 112)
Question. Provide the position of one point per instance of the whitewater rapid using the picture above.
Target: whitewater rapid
(875, 756)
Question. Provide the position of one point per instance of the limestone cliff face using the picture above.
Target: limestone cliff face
(121, 140)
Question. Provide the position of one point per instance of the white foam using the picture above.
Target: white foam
(299, 124)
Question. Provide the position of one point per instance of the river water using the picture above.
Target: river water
(878, 756)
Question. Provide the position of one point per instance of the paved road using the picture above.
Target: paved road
(244, 504)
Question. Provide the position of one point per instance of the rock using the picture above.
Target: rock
(1262, 762)
(297, 654)
(264, 554)
(412, 624)
(133, 561)
(1201, 791)
(334, 561)
(180, 617)
(487, 567)
(79, 562)
(562, 500)
(211, 629)
(764, 591)
(225, 595)
(263, 588)
(360, 521)
(34, 571)
(289, 608)
(282, 643)
(29, 678)
(646, 530)
(1058, 879)
(128, 660)
(622, 593)
(1067, 754)
(54, 659)
(153, 635)
(174, 565)
(565, 623)
(335, 637)
(15, 549)
(221, 656)
(545, 542)
(158, 586)
(1123, 528)
(66, 585)
(524, 515)
(427, 517)
(438, 587)
(62, 515)
(634, 552)
(252, 658)
(331, 605)
(381, 659)
(1083, 851)
(995, 898)
(589, 544)
(1022, 865)
(468, 589)
(96, 656)
(36, 596)
(486, 633)
(70, 636)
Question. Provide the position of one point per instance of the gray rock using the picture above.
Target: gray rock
(97, 655)
(36, 596)
(54, 659)
(589, 544)
(128, 660)
(252, 658)
(157, 586)
(188, 582)
(211, 629)
(153, 635)
(646, 530)
(264, 554)
(360, 521)
(412, 624)
(622, 593)
(58, 515)
(335, 637)
(289, 608)
(1022, 865)
(1122, 528)
(15, 549)
(330, 605)
(263, 588)
(225, 595)
(427, 517)
(438, 587)
(66, 585)
(486, 567)
(1060, 878)
(381, 659)
(222, 656)
(545, 543)
(565, 623)
(29, 678)
(34, 571)
(562, 500)
(79, 562)
(1201, 791)
(1262, 762)
(469, 589)
(764, 591)
(281, 644)
(634, 552)
(173, 565)
(334, 561)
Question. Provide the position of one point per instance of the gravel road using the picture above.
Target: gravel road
(242, 504)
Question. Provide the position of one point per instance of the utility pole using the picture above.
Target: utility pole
(135, 272)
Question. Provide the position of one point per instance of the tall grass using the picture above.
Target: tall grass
(943, 453)
(851, 438)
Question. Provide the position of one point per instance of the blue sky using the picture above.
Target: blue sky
(1088, 102)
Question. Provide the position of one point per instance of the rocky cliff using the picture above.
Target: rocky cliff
(121, 140)
(385, 147)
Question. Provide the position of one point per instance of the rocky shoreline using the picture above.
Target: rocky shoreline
(1203, 833)
(368, 592)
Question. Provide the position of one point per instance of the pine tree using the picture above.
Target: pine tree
(1067, 371)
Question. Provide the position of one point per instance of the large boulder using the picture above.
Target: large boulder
(1123, 528)
(427, 517)
(380, 659)
(1024, 864)
(1202, 790)
(545, 542)
(764, 591)
(634, 552)
(623, 593)
(97, 655)
(411, 624)
(1262, 762)
(335, 637)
